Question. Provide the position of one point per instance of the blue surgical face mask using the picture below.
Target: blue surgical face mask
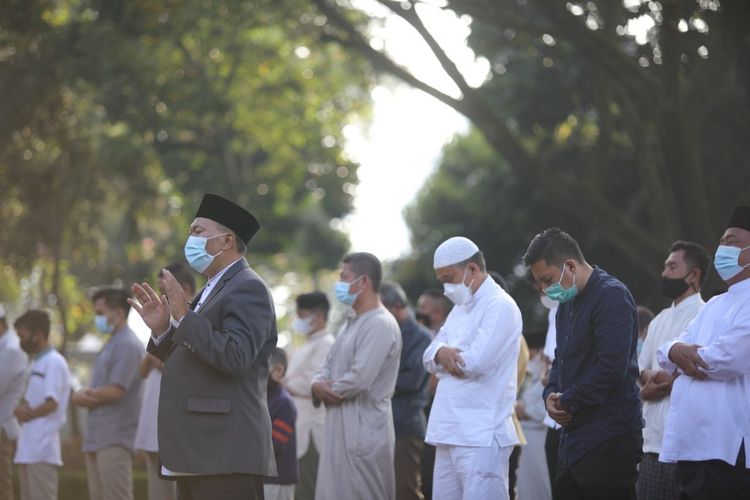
(341, 290)
(727, 261)
(560, 294)
(196, 254)
(101, 324)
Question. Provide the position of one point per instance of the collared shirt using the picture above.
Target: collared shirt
(475, 409)
(410, 396)
(550, 344)
(708, 419)
(13, 362)
(595, 367)
(115, 424)
(303, 364)
(667, 325)
(39, 440)
(211, 283)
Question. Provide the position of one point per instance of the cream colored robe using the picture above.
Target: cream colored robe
(356, 461)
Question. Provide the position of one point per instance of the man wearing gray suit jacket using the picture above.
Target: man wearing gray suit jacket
(214, 427)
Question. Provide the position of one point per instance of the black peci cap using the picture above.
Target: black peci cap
(229, 214)
(740, 218)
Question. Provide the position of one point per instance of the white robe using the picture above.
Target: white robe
(708, 419)
(356, 462)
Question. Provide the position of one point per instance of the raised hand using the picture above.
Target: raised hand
(153, 309)
(178, 301)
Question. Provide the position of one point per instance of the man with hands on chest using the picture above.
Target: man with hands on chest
(474, 356)
(592, 390)
(214, 425)
(707, 432)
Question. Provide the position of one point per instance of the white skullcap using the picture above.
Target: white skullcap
(454, 251)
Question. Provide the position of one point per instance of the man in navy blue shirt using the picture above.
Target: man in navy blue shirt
(410, 396)
(592, 390)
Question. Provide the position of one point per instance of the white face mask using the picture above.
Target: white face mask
(303, 325)
(458, 293)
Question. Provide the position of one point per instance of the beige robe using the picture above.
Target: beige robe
(356, 461)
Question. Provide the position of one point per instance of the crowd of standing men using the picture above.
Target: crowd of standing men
(428, 403)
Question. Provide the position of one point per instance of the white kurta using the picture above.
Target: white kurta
(470, 411)
(356, 461)
(550, 344)
(311, 421)
(470, 421)
(666, 326)
(708, 419)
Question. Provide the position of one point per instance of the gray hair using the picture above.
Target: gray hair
(391, 294)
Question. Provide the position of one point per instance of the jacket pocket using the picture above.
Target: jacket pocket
(209, 405)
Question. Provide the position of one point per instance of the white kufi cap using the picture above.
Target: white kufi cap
(454, 251)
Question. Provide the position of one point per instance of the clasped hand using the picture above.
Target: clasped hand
(687, 358)
(450, 359)
(555, 410)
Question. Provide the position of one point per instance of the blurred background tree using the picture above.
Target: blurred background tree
(622, 122)
(117, 116)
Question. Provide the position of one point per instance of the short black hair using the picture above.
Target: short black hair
(278, 357)
(182, 274)
(364, 263)
(695, 256)
(115, 298)
(554, 246)
(34, 320)
(314, 301)
(439, 295)
(645, 315)
(391, 294)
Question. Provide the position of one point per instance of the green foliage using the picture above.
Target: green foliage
(118, 115)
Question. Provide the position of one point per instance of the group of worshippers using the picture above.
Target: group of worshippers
(233, 414)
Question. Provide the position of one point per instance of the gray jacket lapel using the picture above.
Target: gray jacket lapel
(236, 267)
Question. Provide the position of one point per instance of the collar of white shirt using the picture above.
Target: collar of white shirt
(740, 287)
(211, 283)
(696, 297)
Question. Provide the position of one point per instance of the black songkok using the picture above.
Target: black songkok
(740, 218)
(233, 216)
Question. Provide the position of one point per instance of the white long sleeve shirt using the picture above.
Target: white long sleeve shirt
(666, 326)
(708, 419)
(303, 364)
(472, 410)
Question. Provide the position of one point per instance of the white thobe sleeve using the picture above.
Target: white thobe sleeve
(727, 356)
(647, 353)
(497, 337)
(428, 358)
(324, 370)
(688, 336)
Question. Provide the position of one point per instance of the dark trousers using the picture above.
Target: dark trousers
(551, 448)
(713, 479)
(515, 456)
(406, 461)
(608, 471)
(224, 487)
(308, 474)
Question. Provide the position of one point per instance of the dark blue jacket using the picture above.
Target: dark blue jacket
(596, 366)
(283, 418)
(410, 396)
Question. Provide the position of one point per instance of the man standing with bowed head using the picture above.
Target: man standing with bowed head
(685, 271)
(214, 425)
(592, 390)
(474, 357)
(708, 425)
(356, 383)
